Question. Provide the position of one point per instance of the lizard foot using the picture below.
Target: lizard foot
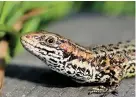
(102, 89)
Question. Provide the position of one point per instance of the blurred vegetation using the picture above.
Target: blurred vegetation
(20, 17)
(115, 8)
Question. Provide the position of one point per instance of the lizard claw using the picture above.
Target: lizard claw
(115, 93)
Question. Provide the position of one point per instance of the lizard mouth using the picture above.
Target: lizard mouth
(29, 47)
(33, 49)
(28, 44)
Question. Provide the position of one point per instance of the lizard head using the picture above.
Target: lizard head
(48, 46)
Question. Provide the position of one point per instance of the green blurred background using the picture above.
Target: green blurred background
(20, 17)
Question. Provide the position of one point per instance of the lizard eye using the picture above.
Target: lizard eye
(50, 40)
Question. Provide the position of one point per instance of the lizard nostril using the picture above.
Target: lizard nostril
(27, 36)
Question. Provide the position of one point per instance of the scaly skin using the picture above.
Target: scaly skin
(106, 65)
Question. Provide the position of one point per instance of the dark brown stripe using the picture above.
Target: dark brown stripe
(2, 62)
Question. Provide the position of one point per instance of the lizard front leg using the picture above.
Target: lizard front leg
(103, 89)
(111, 84)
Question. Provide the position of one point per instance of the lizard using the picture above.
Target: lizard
(106, 65)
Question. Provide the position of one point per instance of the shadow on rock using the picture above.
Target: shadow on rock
(42, 76)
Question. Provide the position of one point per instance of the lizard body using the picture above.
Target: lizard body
(106, 64)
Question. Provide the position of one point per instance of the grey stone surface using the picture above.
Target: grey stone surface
(27, 76)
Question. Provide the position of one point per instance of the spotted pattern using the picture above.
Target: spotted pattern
(98, 64)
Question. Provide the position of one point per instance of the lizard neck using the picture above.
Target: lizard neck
(78, 62)
(74, 49)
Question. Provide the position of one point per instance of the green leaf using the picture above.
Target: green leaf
(2, 34)
(14, 14)
(110, 9)
(97, 6)
(31, 25)
(129, 8)
(35, 4)
(4, 28)
(1, 6)
(7, 7)
(58, 10)
(15, 17)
